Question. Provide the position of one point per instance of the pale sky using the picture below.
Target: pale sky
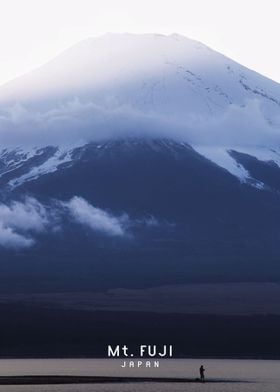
(34, 31)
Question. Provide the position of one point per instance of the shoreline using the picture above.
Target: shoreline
(52, 379)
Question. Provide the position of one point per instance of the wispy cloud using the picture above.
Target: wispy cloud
(22, 221)
(18, 220)
(78, 122)
(74, 122)
(11, 239)
(95, 218)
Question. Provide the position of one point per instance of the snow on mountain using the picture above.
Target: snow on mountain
(122, 85)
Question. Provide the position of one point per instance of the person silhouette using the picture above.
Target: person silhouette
(201, 372)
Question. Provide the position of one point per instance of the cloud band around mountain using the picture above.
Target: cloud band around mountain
(80, 122)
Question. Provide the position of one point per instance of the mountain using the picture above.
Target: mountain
(138, 160)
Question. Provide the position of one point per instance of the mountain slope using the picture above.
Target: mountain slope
(137, 213)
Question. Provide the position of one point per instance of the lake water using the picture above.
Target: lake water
(250, 375)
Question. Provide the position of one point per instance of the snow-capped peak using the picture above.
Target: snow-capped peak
(144, 85)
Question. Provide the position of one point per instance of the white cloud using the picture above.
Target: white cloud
(30, 215)
(237, 126)
(96, 218)
(22, 221)
(18, 220)
(76, 122)
(10, 239)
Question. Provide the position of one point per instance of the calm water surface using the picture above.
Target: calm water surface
(261, 375)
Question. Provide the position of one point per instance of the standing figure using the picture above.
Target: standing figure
(201, 372)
